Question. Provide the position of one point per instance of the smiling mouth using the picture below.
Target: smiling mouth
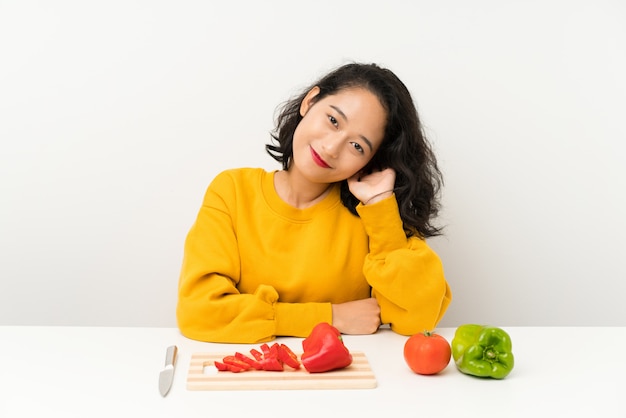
(318, 160)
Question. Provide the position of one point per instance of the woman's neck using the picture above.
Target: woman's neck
(297, 191)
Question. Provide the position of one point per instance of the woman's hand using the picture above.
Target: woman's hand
(357, 317)
(370, 188)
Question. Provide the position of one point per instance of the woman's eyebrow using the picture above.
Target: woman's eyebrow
(344, 117)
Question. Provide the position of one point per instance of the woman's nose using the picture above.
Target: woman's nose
(332, 145)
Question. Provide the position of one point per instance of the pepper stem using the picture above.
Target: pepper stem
(490, 354)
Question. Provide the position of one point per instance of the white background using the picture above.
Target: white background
(115, 116)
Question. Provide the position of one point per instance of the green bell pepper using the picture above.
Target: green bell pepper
(482, 351)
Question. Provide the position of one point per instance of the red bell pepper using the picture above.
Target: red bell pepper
(258, 356)
(271, 362)
(234, 361)
(288, 357)
(256, 365)
(324, 350)
(272, 358)
(226, 367)
(265, 348)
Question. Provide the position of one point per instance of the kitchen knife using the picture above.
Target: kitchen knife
(166, 377)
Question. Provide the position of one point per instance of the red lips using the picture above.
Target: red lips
(318, 160)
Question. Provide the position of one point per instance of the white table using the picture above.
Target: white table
(113, 372)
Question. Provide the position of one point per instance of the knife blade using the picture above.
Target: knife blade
(166, 377)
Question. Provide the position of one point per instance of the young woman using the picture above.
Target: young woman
(338, 235)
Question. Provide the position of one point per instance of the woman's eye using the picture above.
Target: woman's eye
(332, 120)
(358, 147)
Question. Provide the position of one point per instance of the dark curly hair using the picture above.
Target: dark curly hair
(405, 147)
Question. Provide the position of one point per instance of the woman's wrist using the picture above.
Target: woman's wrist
(378, 197)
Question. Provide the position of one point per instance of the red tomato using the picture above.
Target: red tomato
(427, 353)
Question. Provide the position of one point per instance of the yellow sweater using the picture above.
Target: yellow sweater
(255, 267)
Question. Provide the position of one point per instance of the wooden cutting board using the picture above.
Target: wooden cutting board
(203, 375)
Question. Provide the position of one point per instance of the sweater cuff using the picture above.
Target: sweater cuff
(383, 226)
(298, 319)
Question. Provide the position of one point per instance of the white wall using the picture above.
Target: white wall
(115, 115)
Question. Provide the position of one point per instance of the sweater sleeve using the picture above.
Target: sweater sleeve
(405, 274)
(210, 306)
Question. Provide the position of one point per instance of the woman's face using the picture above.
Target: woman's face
(338, 134)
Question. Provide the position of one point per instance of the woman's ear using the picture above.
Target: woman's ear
(308, 100)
